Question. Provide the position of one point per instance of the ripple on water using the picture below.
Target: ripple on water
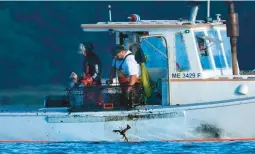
(133, 147)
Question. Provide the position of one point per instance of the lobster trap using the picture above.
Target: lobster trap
(107, 97)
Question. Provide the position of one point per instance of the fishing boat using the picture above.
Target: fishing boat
(197, 94)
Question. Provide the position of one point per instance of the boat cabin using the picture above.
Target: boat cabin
(174, 49)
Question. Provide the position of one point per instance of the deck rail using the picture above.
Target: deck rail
(95, 96)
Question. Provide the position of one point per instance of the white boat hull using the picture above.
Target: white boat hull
(233, 119)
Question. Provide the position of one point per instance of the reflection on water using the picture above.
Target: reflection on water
(136, 147)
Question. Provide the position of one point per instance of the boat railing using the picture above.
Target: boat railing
(103, 95)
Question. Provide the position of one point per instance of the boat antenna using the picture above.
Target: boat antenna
(208, 17)
(110, 14)
(233, 33)
(208, 8)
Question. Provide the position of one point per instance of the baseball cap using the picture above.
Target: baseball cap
(118, 48)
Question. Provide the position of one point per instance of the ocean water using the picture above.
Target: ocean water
(124, 147)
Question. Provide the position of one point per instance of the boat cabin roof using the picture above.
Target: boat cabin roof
(147, 25)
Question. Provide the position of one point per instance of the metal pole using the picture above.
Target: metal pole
(233, 33)
(208, 8)
(110, 14)
(193, 13)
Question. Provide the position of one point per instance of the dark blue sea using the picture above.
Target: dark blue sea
(125, 148)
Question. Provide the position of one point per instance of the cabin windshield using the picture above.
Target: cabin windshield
(218, 54)
(226, 47)
(213, 48)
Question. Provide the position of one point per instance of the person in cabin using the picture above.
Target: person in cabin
(91, 63)
(202, 47)
(127, 68)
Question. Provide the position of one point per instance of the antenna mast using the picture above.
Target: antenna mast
(208, 8)
(110, 14)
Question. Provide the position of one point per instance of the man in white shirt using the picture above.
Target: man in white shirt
(127, 68)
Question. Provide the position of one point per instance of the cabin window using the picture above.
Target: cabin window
(128, 39)
(226, 45)
(155, 51)
(216, 49)
(203, 51)
(182, 60)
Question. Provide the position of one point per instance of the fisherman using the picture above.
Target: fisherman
(127, 68)
(91, 70)
(91, 63)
